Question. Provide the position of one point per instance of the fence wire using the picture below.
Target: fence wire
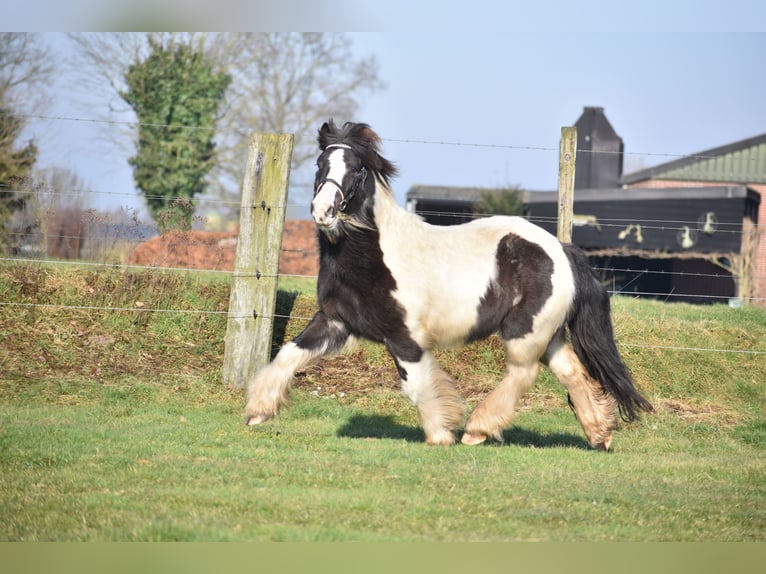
(450, 143)
(273, 316)
(291, 317)
(60, 197)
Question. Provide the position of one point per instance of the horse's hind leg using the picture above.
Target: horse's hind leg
(494, 413)
(595, 409)
(268, 389)
(440, 408)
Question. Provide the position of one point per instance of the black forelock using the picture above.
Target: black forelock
(363, 141)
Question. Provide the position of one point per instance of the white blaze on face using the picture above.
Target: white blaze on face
(323, 206)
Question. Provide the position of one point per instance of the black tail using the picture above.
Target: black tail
(590, 326)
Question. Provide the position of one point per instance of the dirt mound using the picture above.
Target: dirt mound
(215, 250)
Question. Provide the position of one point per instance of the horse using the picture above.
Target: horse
(387, 276)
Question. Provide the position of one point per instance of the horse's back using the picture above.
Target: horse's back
(446, 275)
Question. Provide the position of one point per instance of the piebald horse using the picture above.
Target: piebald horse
(387, 276)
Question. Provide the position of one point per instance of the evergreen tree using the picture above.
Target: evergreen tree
(176, 93)
(282, 82)
(15, 170)
(507, 201)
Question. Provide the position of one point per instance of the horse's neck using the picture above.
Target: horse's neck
(389, 215)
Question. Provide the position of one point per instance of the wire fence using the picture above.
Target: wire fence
(448, 143)
(123, 267)
(306, 319)
(132, 234)
(109, 236)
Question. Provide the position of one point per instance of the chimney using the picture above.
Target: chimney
(595, 134)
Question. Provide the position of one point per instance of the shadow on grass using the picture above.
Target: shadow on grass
(385, 427)
(523, 437)
(282, 312)
(380, 426)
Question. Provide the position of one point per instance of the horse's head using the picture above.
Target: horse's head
(347, 168)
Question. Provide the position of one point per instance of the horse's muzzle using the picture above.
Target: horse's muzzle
(324, 206)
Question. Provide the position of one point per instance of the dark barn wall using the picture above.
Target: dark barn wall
(673, 280)
(700, 277)
(666, 225)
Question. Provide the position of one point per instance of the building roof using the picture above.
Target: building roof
(742, 162)
(739, 162)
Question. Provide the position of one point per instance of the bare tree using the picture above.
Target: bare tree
(26, 68)
(282, 82)
(61, 204)
(291, 82)
(99, 68)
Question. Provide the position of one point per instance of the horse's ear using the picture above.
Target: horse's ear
(324, 132)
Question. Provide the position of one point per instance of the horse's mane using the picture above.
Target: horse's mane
(363, 141)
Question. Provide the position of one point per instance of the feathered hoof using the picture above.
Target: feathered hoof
(253, 420)
(473, 438)
(445, 438)
(605, 444)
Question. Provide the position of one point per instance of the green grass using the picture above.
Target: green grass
(305, 285)
(114, 426)
(142, 464)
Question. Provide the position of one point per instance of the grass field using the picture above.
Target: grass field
(114, 426)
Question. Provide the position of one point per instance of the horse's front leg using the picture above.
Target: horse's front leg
(268, 389)
(440, 407)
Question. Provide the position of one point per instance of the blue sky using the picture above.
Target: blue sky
(663, 93)
(673, 77)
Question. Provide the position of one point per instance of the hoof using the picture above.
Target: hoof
(472, 439)
(445, 439)
(604, 445)
(253, 420)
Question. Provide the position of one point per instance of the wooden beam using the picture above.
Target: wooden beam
(256, 265)
(567, 156)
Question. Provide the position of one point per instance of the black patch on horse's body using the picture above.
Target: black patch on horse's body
(320, 332)
(524, 273)
(356, 288)
(354, 285)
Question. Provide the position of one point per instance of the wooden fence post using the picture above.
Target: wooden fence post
(256, 264)
(567, 156)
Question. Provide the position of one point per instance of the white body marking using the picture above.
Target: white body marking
(323, 204)
(438, 271)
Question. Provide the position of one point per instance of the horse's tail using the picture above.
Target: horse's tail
(590, 327)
